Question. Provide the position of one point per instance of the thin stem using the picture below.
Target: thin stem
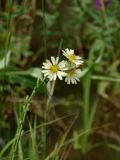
(44, 30)
(104, 13)
(50, 96)
(19, 131)
(60, 46)
(44, 129)
(104, 78)
(86, 86)
(7, 44)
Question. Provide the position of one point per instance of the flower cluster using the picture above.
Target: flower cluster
(70, 69)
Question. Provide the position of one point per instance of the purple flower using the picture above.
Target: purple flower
(98, 3)
(109, 2)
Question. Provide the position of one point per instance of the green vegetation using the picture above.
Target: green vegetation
(48, 119)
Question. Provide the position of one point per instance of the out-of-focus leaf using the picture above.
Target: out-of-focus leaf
(49, 18)
(35, 72)
(28, 82)
(4, 61)
(99, 43)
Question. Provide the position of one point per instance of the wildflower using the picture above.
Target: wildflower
(73, 76)
(52, 69)
(70, 69)
(69, 54)
(99, 3)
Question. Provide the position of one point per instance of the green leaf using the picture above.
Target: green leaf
(4, 62)
(35, 72)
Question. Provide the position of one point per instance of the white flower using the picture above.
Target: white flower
(73, 76)
(52, 69)
(69, 54)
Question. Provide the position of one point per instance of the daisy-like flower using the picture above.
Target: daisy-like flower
(53, 69)
(73, 76)
(70, 55)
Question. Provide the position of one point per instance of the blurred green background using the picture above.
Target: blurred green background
(83, 119)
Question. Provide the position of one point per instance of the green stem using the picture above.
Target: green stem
(7, 43)
(50, 96)
(19, 131)
(44, 30)
(104, 14)
(104, 78)
(86, 98)
(44, 128)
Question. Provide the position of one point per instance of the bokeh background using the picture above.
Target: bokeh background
(84, 119)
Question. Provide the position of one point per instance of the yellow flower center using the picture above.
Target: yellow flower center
(71, 72)
(54, 68)
(72, 57)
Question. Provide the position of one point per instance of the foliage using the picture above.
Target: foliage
(56, 120)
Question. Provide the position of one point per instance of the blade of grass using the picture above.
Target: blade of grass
(23, 113)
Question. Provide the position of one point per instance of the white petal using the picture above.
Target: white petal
(53, 60)
(61, 73)
(77, 79)
(45, 71)
(57, 59)
(46, 74)
(46, 67)
(61, 65)
(65, 54)
(71, 51)
(55, 76)
(78, 57)
(72, 80)
(68, 81)
(50, 75)
(75, 82)
(59, 76)
(67, 50)
(48, 62)
(51, 78)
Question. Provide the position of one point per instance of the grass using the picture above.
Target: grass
(36, 127)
